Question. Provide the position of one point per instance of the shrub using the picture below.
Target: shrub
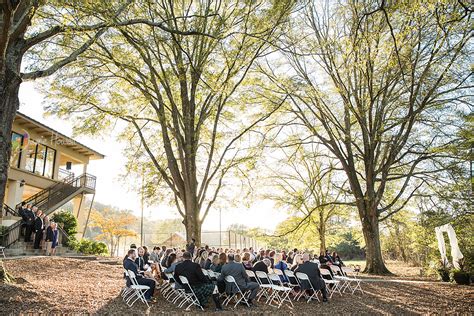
(90, 247)
(69, 223)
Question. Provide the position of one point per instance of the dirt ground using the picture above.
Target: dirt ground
(72, 286)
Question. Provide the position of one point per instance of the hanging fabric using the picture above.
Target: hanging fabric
(453, 242)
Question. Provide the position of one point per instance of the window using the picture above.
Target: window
(30, 156)
(40, 159)
(49, 162)
(17, 143)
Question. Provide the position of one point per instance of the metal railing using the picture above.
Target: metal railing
(64, 174)
(48, 200)
(8, 211)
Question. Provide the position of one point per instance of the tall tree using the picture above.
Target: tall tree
(40, 38)
(113, 225)
(304, 181)
(367, 76)
(182, 98)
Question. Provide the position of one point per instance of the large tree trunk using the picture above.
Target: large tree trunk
(374, 260)
(322, 235)
(9, 104)
(192, 225)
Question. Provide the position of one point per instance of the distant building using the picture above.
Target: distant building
(47, 169)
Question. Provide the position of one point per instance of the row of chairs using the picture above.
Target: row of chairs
(272, 288)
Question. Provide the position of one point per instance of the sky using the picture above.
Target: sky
(111, 189)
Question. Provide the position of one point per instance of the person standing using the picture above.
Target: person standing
(30, 222)
(191, 247)
(39, 227)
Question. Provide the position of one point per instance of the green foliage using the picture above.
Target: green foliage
(68, 221)
(349, 247)
(89, 247)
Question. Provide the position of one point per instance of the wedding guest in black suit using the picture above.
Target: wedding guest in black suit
(39, 227)
(129, 264)
(201, 285)
(312, 271)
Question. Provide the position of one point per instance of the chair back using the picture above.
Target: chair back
(292, 279)
(326, 272)
(205, 272)
(132, 277)
(262, 276)
(335, 269)
(278, 272)
(230, 279)
(275, 279)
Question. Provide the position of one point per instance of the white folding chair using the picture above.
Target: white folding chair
(190, 296)
(231, 280)
(352, 277)
(126, 290)
(339, 275)
(304, 279)
(265, 285)
(331, 284)
(279, 292)
(139, 290)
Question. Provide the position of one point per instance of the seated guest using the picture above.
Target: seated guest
(236, 270)
(337, 260)
(312, 271)
(281, 265)
(260, 256)
(140, 261)
(172, 263)
(155, 254)
(328, 257)
(208, 262)
(129, 264)
(289, 259)
(271, 256)
(262, 266)
(246, 261)
(214, 262)
(322, 258)
(297, 260)
(237, 258)
(202, 260)
(222, 261)
(198, 281)
(164, 258)
(146, 255)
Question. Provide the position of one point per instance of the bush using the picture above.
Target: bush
(89, 247)
(349, 248)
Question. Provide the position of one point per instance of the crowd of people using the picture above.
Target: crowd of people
(36, 227)
(152, 268)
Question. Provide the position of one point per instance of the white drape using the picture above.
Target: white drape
(453, 241)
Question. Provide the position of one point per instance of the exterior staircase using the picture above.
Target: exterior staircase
(47, 200)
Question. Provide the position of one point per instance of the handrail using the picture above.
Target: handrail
(46, 197)
(8, 210)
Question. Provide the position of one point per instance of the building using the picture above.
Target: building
(47, 169)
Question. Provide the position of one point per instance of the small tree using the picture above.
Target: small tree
(113, 226)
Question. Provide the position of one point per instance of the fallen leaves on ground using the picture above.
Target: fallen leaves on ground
(74, 286)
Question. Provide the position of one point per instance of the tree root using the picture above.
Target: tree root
(5, 277)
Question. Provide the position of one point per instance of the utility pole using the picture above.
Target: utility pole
(142, 203)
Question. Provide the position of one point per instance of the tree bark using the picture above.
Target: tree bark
(374, 260)
(9, 104)
(322, 233)
(193, 227)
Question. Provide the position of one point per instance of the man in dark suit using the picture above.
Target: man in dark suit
(201, 285)
(39, 227)
(29, 221)
(237, 270)
(129, 264)
(312, 271)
